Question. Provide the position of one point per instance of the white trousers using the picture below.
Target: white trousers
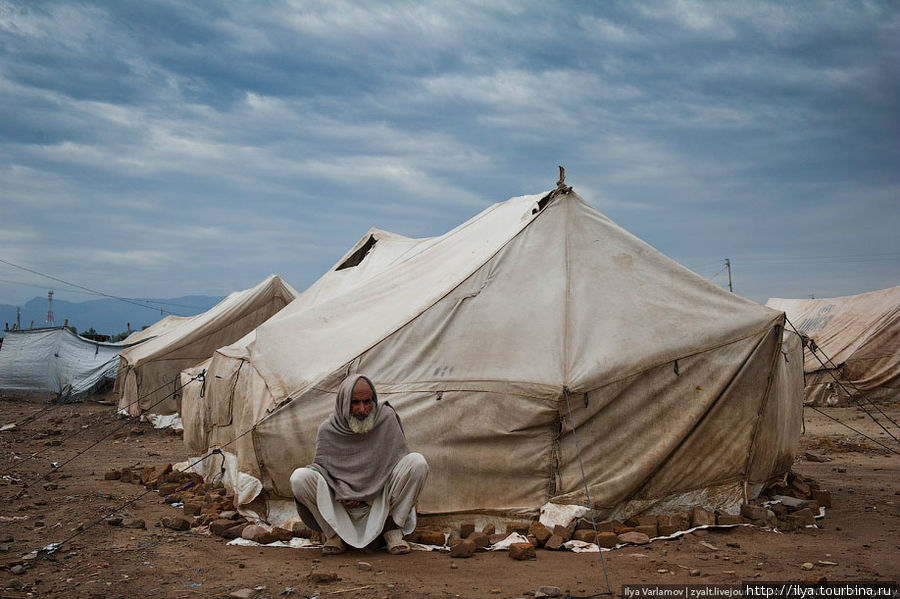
(359, 527)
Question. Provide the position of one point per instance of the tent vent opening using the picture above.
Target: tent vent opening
(359, 255)
(542, 203)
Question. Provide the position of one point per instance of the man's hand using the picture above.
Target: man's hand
(352, 504)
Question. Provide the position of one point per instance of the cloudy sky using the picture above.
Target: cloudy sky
(163, 148)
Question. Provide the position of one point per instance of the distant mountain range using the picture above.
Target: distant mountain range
(106, 316)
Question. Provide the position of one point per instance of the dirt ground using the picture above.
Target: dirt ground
(859, 534)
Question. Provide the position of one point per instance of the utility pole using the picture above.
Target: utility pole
(728, 266)
(18, 318)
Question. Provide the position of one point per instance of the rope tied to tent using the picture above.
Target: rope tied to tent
(587, 494)
(813, 350)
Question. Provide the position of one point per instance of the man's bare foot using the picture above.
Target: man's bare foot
(333, 546)
(395, 543)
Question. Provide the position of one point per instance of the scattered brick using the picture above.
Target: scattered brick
(191, 508)
(702, 517)
(323, 577)
(235, 531)
(606, 525)
(489, 529)
(586, 536)
(112, 475)
(259, 534)
(564, 531)
(466, 529)
(620, 530)
(647, 520)
(804, 517)
(497, 537)
(176, 522)
(801, 487)
(554, 543)
(137, 523)
(607, 539)
(465, 548)
(480, 539)
(518, 527)
(637, 538)
(521, 551)
(728, 519)
(429, 537)
(540, 532)
(282, 534)
(649, 530)
(754, 512)
(787, 524)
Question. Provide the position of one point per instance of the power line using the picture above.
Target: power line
(137, 302)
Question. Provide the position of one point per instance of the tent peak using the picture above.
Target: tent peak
(561, 186)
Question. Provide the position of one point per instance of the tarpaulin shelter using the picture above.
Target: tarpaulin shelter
(858, 341)
(537, 317)
(54, 362)
(148, 377)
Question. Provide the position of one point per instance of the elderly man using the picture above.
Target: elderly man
(363, 480)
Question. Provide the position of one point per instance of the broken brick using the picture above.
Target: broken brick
(429, 537)
(540, 532)
(702, 517)
(554, 543)
(521, 551)
(465, 548)
(259, 534)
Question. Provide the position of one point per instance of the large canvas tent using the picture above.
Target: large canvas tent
(54, 362)
(148, 373)
(494, 342)
(858, 337)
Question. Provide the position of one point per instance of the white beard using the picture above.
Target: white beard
(362, 426)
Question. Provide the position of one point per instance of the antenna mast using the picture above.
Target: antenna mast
(50, 308)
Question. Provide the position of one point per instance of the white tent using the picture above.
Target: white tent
(859, 339)
(57, 363)
(484, 338)
(148, 377)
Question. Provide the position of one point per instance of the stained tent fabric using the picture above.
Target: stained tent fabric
(487, 338)
(148, 377)
(859, 339)
(55, 362)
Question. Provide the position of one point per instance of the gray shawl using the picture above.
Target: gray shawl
(357, 466)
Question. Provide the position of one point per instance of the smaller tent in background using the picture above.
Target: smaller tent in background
(148, 377)
(861, 336)
(56, 363)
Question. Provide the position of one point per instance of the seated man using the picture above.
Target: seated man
(363, 480)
